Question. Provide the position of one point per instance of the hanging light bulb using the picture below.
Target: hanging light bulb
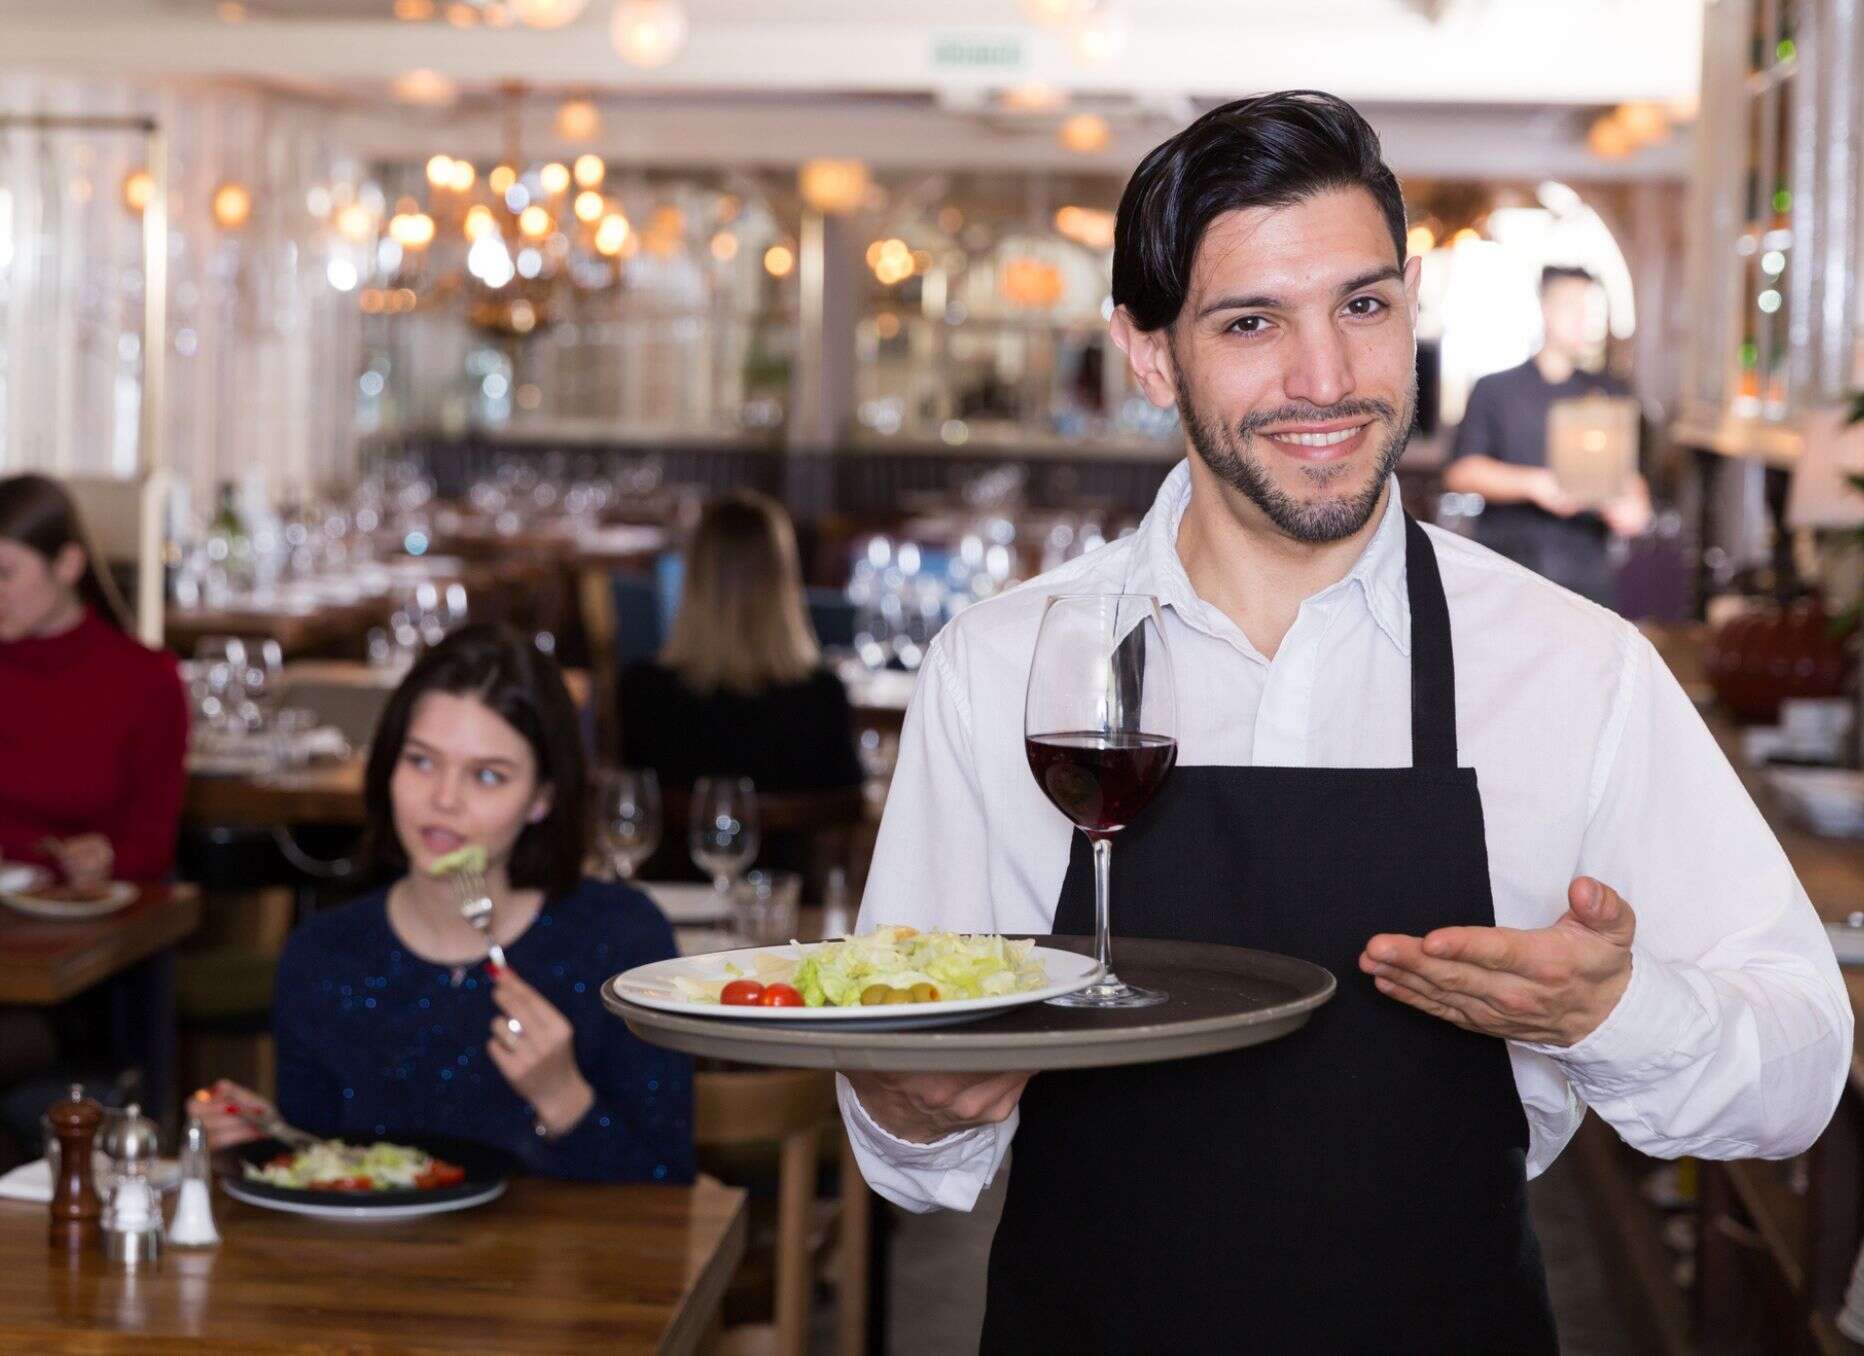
(501, 179)
(1085, 133)
(589, 171)
(479, 221)
(232, 206)
(549, 13)
(535, 222)
(138, 190)
(462, 176)
(578, 120)
(428, 88)
(1055, 13)
(648, 33)
(440, 170)
(554, 177)
(612, 234)
(355, 223)
(411, 230)
(835, 187)
(1100, 37)
(590, 206)
(779, 260)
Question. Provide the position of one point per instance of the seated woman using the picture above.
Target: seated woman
(739, 687)
(389, 1015)
(93, 725)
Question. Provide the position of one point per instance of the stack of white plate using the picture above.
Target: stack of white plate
(1829, 800)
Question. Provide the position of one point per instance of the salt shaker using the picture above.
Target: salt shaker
(193, 1225)
(75, 1207)
(133, 1216)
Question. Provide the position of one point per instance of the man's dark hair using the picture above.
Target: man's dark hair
(1272, 150)
(524, 687)
(1554, 273)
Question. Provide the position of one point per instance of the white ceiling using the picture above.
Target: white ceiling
(1488, 87)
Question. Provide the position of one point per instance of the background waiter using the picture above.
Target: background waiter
(1500, 451)
(1402, 757)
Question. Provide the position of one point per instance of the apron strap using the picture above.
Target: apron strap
(1433, 669)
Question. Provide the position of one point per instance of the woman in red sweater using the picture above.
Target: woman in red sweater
(93, 725)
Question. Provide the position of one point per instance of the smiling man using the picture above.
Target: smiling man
(1479, 800)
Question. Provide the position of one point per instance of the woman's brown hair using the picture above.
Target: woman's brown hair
(742, 624)
(37, 513)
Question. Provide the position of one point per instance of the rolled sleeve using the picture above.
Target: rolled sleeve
(1733, 1038)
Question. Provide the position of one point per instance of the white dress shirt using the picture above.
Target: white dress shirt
(1733, 1038)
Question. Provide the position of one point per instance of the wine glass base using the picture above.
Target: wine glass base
(1111, 992)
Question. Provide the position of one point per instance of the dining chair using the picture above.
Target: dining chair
(737, 1109)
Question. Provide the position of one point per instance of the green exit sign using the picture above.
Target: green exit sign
(978, 51)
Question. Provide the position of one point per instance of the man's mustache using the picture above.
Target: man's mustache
(1251, 424)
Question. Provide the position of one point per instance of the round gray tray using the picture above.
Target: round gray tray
(1222, 998)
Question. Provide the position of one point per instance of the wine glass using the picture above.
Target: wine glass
(722, 828)
(1100, 723)
(262, 676)
(627, 806)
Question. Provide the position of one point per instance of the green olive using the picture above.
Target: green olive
(873, 995)
(924, 993)
(898, 996)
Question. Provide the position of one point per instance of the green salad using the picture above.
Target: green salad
(951, 965)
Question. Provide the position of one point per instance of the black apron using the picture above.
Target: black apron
(1359, 1186)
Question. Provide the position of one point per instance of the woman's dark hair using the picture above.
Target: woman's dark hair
(524, 687)
(37, 513)
(1269, 151)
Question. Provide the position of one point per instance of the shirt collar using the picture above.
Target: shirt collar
(1379, 573)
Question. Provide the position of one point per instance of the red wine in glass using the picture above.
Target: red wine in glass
(1100, 780)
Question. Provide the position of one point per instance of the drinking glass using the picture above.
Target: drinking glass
(627, 807)
(262, 677)
(1100, 724)
(722, 829)
(221, 664)
(764, 907)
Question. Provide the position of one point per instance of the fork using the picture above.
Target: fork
(272, 1125)
(476, 908)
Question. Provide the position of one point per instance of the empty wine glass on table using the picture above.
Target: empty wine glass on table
(1100, 725)
(722, 829)
(627, 807)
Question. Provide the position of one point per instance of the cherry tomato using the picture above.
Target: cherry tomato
(742, 993)
(780, 996)
(440, 1175)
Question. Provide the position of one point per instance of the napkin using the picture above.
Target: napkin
(28, 1182)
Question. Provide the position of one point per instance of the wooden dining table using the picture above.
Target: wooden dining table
(548, 1267)
(46, 961)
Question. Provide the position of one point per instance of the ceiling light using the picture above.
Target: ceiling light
(440, 170)
(648, 33)
(578, 120)
(138, 190)
(590, 206)
(411, 230)
(414, 11)
(589, 171)
(779, 260)
(549, 13)
(428, 88)
(1100, 37)
(232, 206)
(612, 234)
(534, 222)
(835, 187)
(724, 247)
(554, 177)
(1086, 133)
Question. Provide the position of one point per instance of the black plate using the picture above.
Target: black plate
(486, 1170)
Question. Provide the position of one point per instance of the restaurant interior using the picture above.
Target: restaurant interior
(346, 325)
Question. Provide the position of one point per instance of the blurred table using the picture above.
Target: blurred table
(43, 962)
(296, 632)
(879, 698)
(345, 693)
(548, 1267)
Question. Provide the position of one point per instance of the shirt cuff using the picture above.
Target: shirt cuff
(1659, 1025)
(948, 1173)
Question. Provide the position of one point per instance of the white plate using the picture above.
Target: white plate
(686, 902)
(651, 986)
(21, 876)
(121, 895)
(235, 1188)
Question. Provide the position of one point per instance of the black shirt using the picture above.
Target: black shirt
(1507, 420)
(791, 737)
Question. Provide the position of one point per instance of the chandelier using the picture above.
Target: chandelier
(510, 247)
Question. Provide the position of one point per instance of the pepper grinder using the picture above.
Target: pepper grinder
(133, 1218)
(75, 1208)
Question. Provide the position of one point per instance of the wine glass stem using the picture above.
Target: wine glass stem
(1103, 873)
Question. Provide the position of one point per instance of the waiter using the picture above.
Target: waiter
(1482, 802)
(1500, 451)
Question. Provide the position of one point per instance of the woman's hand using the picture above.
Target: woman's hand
(533, 1046)
(84, 860)
(224, 1129)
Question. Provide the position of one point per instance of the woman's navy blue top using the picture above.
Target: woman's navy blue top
(372, 1039)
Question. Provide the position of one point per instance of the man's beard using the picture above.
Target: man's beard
(1230, 456)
